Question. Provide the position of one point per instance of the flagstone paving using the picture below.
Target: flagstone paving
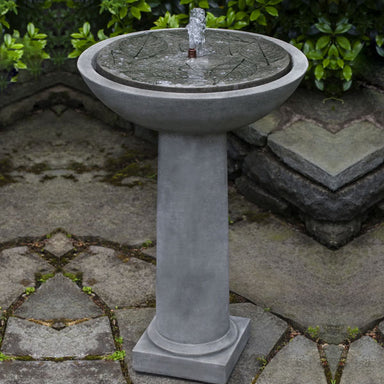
(94, 277)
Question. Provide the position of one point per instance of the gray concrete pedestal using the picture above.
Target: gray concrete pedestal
(192, 335)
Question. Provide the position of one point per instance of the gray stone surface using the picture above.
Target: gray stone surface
(364, 364)
(87, 208)
(278, 267)
(78, 202)
(118, 281)
(66, 372)
(296, 363)
(26, 338)
(266, 330)
(258, 132)
(261, 197)
(311, 198)
(332, 160)
(59, 298)
(333, 234)
(59, 244)
(17, 271)
(333, 354)
(158, 60)
(332, 113)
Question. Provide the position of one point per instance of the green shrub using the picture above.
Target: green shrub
(333, 34)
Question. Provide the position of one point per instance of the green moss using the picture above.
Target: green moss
(118, 355)
(43, 278)
(47, 178)
(257, 217)
(38, 168)
(70, 177)
(79, 167)
(5, 168)
(5, 357)
(74, 277)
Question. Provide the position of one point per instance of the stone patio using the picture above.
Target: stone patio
(78, 240)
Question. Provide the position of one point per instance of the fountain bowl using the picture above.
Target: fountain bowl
(198, 111)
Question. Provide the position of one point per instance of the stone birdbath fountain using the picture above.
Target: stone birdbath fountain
(192, 91)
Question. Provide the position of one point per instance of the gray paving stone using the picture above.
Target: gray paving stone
(119, 282)
(275, 266)
(297, 363)
(26, 338)
(333, 353)
(257, 133)
(59, 244)
(17, 271)
(332, 113)
(66, 372)
(364, 364)
(349, 154)
(58, 298)
(88, 207)
(266, 330)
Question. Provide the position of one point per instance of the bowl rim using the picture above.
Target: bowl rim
(86, 66)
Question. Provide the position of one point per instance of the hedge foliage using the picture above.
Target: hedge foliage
(335, 35)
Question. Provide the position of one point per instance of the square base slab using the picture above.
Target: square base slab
(213, 368)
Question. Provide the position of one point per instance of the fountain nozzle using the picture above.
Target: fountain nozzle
(191, 53)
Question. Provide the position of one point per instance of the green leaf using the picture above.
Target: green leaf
(101, 35)
(86, 28)
(40, 36)
(182, 2)
(31, 29)
(315, 55)
(241, 15)
(203, 4)
(231, 15)
(308, 46)
(322, 42)
(255, 15)
(17, 46)
(319, 72)
(325, 62)
(144, 6)
(340, 63)
(333, 51)
(347, 72)
(342, 28)
(323, 27)
(242, 5)
(240, 24)
(262, 20)
(379, 40)
(347, 85)
(380, 51)
(319, 84)
(7, 39)
(343, 42)
(123, 12)
(272, 11)
(136, 13)
(274, 2)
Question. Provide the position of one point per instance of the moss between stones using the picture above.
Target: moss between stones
(5, 168)
(127, 165)
(257, 217)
